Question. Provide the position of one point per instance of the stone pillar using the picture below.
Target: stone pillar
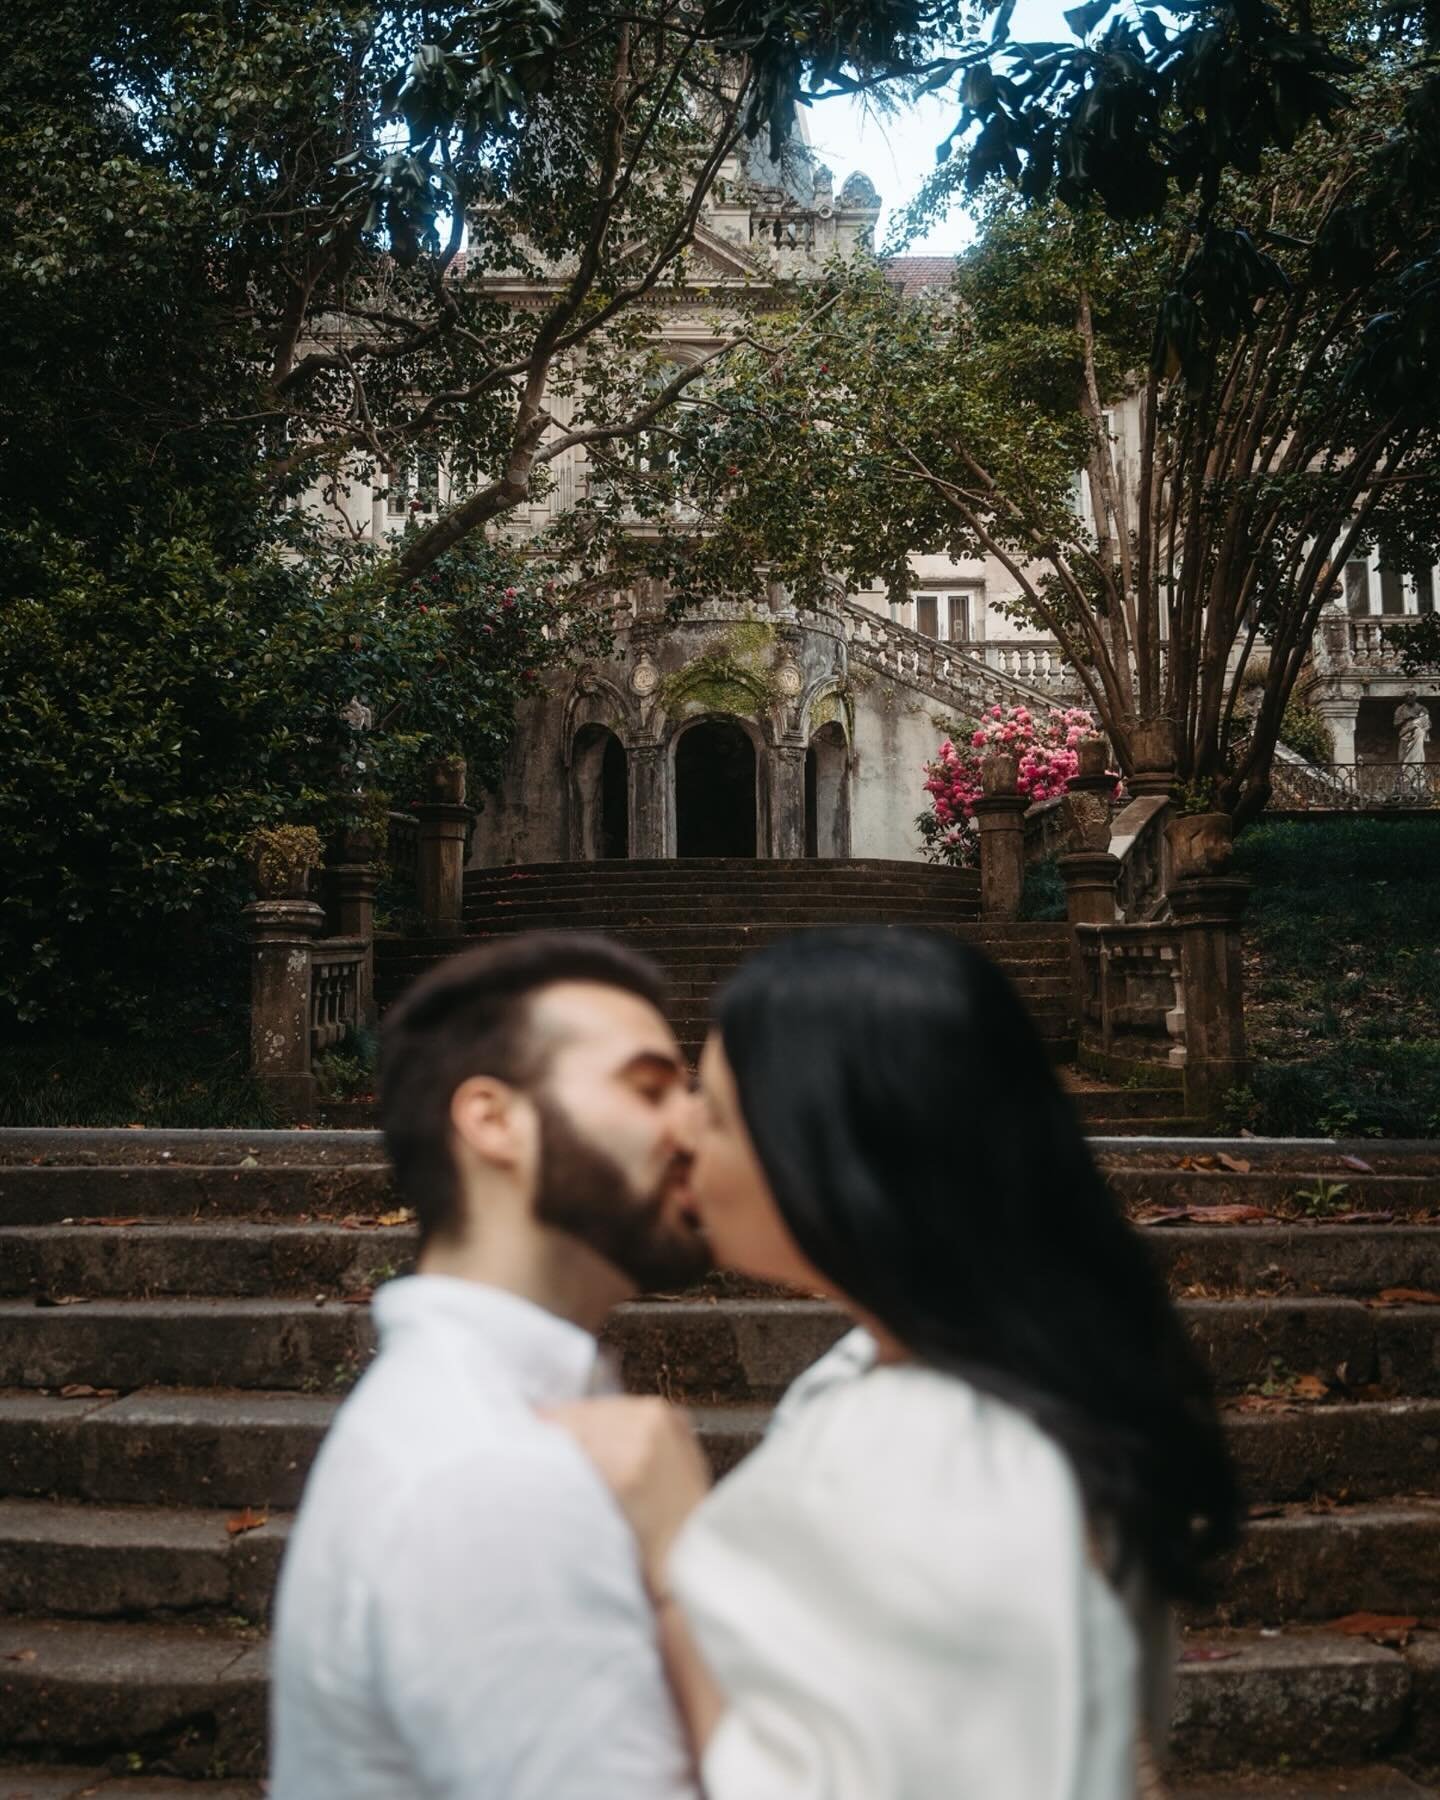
(1341, 716)
(1093, 775)
(1208, 910)
(787, 801)
(440, 865)
(1001, 815)
(352, 883)
(281, 932)
(1154, 753)
(648, 810)
(1089, 877)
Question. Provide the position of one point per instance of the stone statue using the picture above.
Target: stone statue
(356, 714)
(1412, 721)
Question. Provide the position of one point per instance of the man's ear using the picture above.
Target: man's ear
(486, 1116)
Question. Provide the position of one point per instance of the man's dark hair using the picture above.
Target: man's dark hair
(471, 1016)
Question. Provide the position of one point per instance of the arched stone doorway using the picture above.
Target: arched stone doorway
(827, 793)
(600, 795)
(715, 790)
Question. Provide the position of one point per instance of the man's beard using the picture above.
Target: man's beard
(582, 1191)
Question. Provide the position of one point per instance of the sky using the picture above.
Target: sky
(898, 153)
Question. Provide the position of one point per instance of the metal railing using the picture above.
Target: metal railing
(1353, 787)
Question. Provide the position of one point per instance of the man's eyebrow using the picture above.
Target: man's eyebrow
(646, 1061)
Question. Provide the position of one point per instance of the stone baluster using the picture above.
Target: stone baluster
(1001, 815)
(281, 933)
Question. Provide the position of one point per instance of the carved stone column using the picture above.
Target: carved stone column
(1089, 877)
(649, 812)
(1208, 909)
(1001, 816)
(281, 933)
(787, 801)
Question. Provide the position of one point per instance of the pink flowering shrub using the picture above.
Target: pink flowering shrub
(1046, 751)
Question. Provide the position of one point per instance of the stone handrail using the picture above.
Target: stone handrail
(1138, 843)
(944, 671)
(1037, 662)
(336, 990)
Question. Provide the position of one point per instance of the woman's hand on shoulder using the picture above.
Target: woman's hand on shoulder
(649, 1458)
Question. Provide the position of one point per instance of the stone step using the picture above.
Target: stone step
(71, 1560)
(230, 1448)
(68, 1560)
(626, 869)
(195, 1695)
(1369, 1783)
(739, 1350)
(47, 1781)
(225, 1257)
(248, 1176)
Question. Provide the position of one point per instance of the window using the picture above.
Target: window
(1392, 591)
(417, 480)
(1425, 590)
(1357, 586)
(950, 618)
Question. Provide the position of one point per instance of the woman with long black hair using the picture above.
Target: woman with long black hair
(949, 1568)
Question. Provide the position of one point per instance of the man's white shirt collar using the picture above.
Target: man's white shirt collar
(547, 1358)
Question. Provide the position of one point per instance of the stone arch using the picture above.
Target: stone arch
(718, 768)
(599, 795)
(827, 791)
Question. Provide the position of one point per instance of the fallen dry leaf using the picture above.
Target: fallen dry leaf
(1237, 1165)
(1200, 1653)
(1403, 1296)
(1264, 1509)
(82, 1390)
(1384, 1628)
(1358, 1163)
(21, 1655)
(1261, 1403)
(248, 1520)
(62, 1299)
(1310, 1387)
(401, 1216)
(1362, 1218)
(117, 1221)
(361, 1297)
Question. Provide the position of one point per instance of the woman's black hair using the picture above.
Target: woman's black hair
(927, 1161)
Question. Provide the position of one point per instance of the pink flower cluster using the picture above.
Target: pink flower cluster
(1046, 752)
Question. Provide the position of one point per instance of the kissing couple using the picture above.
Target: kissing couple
(949, 1568)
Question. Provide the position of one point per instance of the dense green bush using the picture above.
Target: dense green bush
(1343, 1008)
(1304, 731)
(163, 702)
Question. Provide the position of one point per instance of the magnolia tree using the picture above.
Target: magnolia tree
(1047, 754)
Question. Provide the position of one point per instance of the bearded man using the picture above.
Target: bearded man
(462, 1612)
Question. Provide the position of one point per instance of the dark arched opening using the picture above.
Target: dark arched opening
(827, 793)
(600, 787)
(715, 790)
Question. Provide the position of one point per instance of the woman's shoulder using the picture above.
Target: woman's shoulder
(906, 1438)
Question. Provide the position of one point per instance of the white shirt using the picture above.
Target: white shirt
(461, 1612)
(895, 1594)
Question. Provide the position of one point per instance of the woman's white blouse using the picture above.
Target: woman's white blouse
(895, 1594)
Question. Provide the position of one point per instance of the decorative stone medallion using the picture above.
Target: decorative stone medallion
(789, 680)
(644, 677)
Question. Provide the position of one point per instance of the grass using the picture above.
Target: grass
(1342, 952)
(199, 1079)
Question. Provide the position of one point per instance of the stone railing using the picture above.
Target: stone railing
(1364, 645)
(1038, 663)
(1131, 997)
(1139, 845)
(946, 672)
(337, 984)
(1353, 787)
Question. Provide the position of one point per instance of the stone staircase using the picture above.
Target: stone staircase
(180, 1311)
